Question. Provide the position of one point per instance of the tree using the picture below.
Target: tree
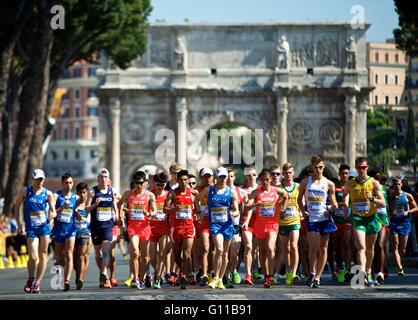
(406, 35)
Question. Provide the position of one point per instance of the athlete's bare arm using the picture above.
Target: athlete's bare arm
(234, 205)
(412, 204)
(283, 194)
(331, 195)
(19, 215)
(89, 205)
(346, 198)
(378, 194)
(302, 187)
(51, 201)
(152, 205)
(170, 200)
(197, 199)
(249, 208)
(121, 205)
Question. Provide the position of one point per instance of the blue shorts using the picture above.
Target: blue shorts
(227, 230)
(322, 227)
(401, 228)
(100, 235)
(41, 231)
(63, 231)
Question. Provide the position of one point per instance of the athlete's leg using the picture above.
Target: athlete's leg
(270, 252)
(402, 246)
(33, 245)
(262, 251)
(59, 253)
(322, 256)
(43, 257)
(346, 247)
(338, 247)
(205, 246)
(112, 258)
(162, 243)
(186, 249)
(82, 254)
(248, 248)
(226, 246)
(304, 254)
(134, 255)
(313, 241)
(380, 250)
(360, 243)
(330, 253)
(294, 253)
(153, 253)
(68, 253)
(285, 250)
(233, 256)
(144, 258)
(370, 242)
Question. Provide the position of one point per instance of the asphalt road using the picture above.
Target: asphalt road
(12, 281)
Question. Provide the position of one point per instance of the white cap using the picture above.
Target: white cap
(352, 173)
(221, 171)
(247, 171)
(38, 173)
(103, 171)
(206, 171)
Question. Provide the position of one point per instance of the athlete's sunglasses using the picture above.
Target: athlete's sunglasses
(137, 182)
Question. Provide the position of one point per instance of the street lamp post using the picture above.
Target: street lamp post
(382, 163)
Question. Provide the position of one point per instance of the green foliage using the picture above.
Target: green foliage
(406, 35)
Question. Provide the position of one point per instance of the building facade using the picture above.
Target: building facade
(305, 86)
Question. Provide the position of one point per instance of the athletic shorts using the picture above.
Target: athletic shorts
(322, 227)
(237, 229)
(177, 234)
(158, 232)
(143, 233)
(63, 232)
(100, 235)
(261, 231)
(383, 219)
(370, 225)
(82, 239)
(342, 228)
(42, 231)
(401, 228)
(227, 231)
(286, 230)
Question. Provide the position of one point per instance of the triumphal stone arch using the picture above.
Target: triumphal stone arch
(305, 85)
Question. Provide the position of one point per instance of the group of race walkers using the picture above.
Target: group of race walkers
(190, 233)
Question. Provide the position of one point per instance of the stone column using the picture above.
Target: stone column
(361, 128)
(350, 129)
(115, 127)
(181, 113)
(282, 110)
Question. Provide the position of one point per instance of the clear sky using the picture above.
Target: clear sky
(379, 13)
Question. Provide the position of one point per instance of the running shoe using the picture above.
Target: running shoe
(102, 280)
(128, 281)
(183, 282)
(192, 280)
(204, 280)
(114, 282)
(296, 279)
(157, 284)
(229, 284)
(220, 284)
(316, 283)
(401, 272)
(309, 281)
(380, 279)
(36, 288)
(107, 284)
(334, 276)
(66, 286)
(369, 282)
(141, 285)
(148, 280)
(289, 278)
(28, 286)
(79, 284)
(272, 281)
(173, 279)
(256, 275)
(248, 280)
(198, 276)
(347, 276)
(213, 283)
(236, 278)
(166, 277)
(266, 283)
(340, 276)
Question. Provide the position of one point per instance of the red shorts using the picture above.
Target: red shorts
(158, 232)
(261, 230)
(143, 233)
(115, 231)
(341, 228)
(304, 230)
(176, 234)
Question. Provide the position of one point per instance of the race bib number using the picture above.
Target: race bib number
(361, 206)
(400, 212)
(104, 214)
(339, 212)
(381, 210)
(315, 206)
(267, 211)
(219, 214)
(137, 214)
(290, 212)
(160, 215)
(184, 213)
(81, 223)
(65, 215)
(204, 210)
(37, 218)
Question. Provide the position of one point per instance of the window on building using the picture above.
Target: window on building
(405, 98)
(65, 133)
(77, 133)
(376, 78)
(92, 111)
(77, 73)
(376, 57)
(397, 58)
(386, 99)
(93, 132)
(65, 154)
(54, 155)
(376, 99)
(77, 94)
(386, 79)
(91, 93)
(396, 100)
(386, 58)
(77, 112)
(93, 154)
(92, 71)
(396, 80)
(65, 113)
(77, 154)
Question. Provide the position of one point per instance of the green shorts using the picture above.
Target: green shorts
(369, 225)
(383, 219)
(285, 230)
